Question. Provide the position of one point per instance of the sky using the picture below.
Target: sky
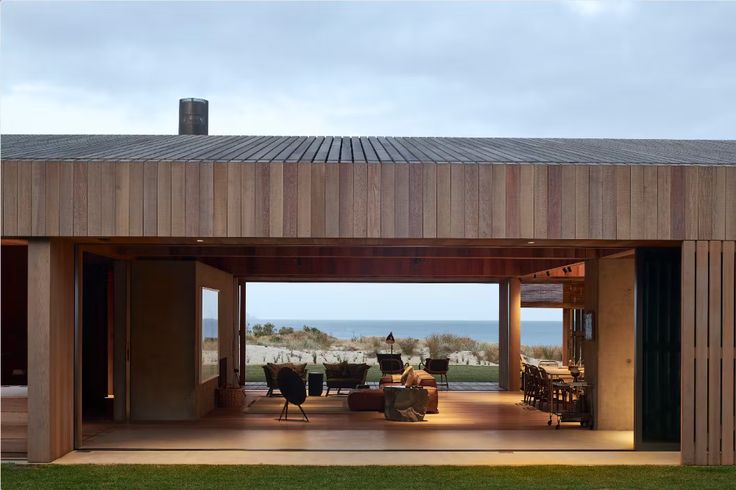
(516, 69)
(379, 301)
(572, 69)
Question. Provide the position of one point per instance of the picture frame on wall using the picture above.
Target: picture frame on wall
(589, 325)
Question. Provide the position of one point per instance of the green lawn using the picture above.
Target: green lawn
(403, 478)
(457, 373)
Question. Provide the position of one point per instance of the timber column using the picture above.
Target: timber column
(503, 335)
(50, 349)
(514, 334)
(509, 334)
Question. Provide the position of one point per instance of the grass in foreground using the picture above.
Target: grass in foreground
(254, 372)
(403, 478)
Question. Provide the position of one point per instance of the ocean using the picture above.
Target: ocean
(532, 332)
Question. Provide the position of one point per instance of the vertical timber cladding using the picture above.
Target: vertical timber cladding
(708, 331)
(368, 200)
(657, 396)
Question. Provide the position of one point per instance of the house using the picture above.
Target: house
(122, 232)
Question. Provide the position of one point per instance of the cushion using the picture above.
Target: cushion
(300, 369)
(333, 370)
(275, 368)
(408, 375)
(356, 370)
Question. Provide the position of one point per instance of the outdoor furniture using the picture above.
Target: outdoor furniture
(527, 384)
(548, 362)
(344, 375)
(405, 404)
(438, 367)
(272, 370)
(570, 403)
(390, 363)
(425, 379)
(366, 401)
(292, 387)
(316, 382)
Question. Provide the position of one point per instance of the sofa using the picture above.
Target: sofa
(345, 375)
(271, 372)
(373, 400)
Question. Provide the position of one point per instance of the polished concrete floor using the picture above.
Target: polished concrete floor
(363, 458)
(468, 423)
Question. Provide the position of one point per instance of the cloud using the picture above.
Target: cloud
(452, 69)
(594, 8)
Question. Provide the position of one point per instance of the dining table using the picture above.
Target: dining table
(560, 372)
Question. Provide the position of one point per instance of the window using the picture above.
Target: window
(210, 334)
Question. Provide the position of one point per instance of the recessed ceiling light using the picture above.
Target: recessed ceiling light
(530, 243)
(199, 240)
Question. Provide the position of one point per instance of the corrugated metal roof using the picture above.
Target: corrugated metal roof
(363, 149)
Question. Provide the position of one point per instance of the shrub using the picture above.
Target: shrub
(263, 330)
(286, 331)
(408, 345)
(441, 345)
(553, 352)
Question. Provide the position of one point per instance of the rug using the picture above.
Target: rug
(314, 404)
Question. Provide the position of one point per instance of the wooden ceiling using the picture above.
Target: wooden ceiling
(369, 263)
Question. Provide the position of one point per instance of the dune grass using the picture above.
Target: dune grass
(356, 477)
(457, 373)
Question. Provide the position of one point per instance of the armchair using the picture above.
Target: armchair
(390, 363)
(271, 372)
(438, 367)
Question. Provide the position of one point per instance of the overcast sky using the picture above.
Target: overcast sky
(576, 69)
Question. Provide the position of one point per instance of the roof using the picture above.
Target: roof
(364, 149)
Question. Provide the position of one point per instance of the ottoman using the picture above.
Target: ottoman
(373, 400)
(366, 401)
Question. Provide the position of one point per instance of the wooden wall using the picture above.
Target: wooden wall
(708, 332)
(368, 200)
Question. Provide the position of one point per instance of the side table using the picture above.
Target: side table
(405, 404)
(316, 381)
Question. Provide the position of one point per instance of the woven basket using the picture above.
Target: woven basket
(231, 397)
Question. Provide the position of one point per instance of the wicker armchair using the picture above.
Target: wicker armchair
(271, 370)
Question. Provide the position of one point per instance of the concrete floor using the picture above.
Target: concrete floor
(466, 422)
(471, 429)
(371, 458)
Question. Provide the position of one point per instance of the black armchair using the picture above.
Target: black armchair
(438, 367)
(390, 363)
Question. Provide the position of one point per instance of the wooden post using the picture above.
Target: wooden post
(503, 335)
(120, 340)
(566, 334)
(514, 339)
(50, 349)
(242, 332)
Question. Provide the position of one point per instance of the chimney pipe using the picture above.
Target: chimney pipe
(193, 116)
